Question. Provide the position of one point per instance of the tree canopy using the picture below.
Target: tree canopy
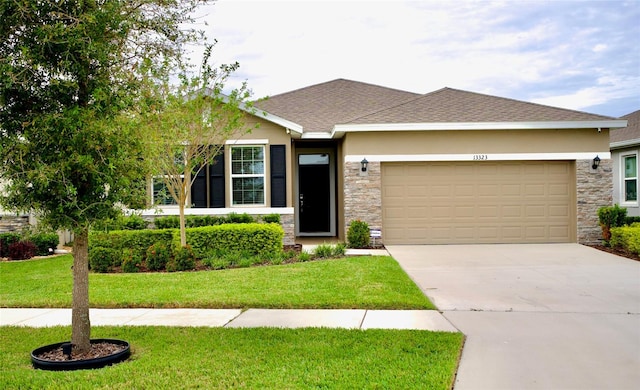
(71, 88)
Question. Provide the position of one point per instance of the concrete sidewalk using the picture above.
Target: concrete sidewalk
(236, 318)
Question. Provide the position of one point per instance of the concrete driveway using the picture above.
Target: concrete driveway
(549, 316)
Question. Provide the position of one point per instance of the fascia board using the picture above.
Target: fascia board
(287, 124)
(624, 144)
(317, 135)
(339, 130)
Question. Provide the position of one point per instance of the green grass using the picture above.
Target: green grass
(265, 358)
(370, 282)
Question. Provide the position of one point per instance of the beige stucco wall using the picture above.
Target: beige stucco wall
(476, 142)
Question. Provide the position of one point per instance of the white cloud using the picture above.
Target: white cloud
(564, 53)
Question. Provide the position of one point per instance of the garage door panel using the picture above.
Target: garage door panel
(480, 202)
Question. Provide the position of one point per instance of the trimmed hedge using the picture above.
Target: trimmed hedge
(251, 238)
(257, 238)
(173, 222)
(627, 237)
(136, 240)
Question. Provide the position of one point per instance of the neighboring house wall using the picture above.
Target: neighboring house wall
(624, 179)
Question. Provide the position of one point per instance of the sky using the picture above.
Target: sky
(581, 55)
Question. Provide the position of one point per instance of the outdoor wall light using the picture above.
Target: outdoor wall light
(363, 164)
(596, 162)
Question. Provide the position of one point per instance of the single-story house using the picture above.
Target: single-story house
(445, 167)
(625, 145)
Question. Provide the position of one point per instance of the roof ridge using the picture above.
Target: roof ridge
(527, 102)
(418, 96)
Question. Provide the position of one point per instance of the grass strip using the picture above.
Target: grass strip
(221, 358)
(368, 282)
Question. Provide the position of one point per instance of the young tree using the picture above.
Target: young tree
(188, 125)
(69, 94)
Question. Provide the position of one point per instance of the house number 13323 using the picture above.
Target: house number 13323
(480, 157)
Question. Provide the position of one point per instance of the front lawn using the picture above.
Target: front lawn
(253, 358)
(369, 282)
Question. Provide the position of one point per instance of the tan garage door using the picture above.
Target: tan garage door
(478, 202)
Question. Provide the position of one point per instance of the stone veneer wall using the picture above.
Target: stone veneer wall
(286, 221)
(12, 223)
(594, 189)
(363, 195)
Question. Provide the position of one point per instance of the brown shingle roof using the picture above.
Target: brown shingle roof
(320, 107)
(632, 131)
(453, 105)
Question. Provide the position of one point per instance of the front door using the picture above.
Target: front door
(315, 194)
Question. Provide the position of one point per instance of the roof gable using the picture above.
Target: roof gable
(629, 135)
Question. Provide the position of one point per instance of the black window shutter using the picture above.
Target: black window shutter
(199, 189)
(278, 176)
(217, 182)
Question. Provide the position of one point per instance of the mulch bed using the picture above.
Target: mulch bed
(97, 350)
(617, 251)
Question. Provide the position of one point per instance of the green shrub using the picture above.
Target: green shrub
(217, 262)
(131, 261)
(133, 222)
(323, 251)
(631, 220)
(103, 259)
(304, 257)
(247, 261)
(610, 217)
(626, 237)
(45, 243)
(7, 239)
(239, 218)
(183, 260)
(340, 249)
(271, 218)
(158, 255)
(258, 238)
(169, 222)
(289, 254)
(358, 234)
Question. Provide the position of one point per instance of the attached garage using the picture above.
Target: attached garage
(478, 202)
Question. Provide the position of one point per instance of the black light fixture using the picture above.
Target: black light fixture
(596, 162)
(364, 164)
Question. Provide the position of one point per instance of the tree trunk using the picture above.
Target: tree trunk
(183, 226)
(80, 324)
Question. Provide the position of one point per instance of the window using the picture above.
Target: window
(161, 195)
(247, 175)
(630, 185)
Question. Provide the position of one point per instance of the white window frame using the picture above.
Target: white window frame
(233, 176)
(153, 194)
(623, 179)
